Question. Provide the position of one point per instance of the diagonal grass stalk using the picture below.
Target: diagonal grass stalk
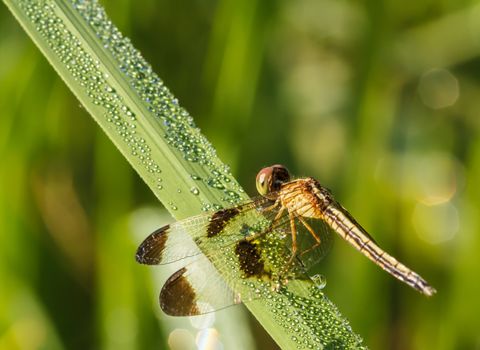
(159, 139)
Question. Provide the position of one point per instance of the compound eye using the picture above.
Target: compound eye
(280, 175)
(270, 179)
(263, 179)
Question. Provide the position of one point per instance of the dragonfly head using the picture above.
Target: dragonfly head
(270, 180)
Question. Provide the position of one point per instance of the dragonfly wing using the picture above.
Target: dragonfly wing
(170, 243)
(200, 287)
(244, 269)
(196, 289)
(310, 250)
(221, 228)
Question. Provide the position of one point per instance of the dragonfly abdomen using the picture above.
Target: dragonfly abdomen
(342, 223)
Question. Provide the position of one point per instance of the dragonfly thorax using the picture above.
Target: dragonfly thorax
(299, 198)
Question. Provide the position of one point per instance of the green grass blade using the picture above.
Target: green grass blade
(159, 139)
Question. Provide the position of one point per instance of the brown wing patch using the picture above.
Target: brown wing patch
(250, 260)
(150, 251)
(219, 220)
(177, 297)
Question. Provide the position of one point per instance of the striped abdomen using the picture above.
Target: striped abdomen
(343, 223)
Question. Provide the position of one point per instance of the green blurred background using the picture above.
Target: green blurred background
(378, 101)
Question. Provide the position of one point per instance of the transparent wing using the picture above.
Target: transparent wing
(172, 242)
(311, 251)
(241, 275)
(196, 289)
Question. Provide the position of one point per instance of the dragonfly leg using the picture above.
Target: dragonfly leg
(312, 232)
(286, 268)
(294, 239)
(273, 206)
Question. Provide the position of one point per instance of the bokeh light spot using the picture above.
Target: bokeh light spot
(428, 177)
(435, 223)
(207, 339)
(438, 88)
(181, 339)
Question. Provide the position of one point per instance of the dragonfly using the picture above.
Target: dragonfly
(266, 241)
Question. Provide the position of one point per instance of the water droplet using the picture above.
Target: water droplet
(319, 280)
(195, 191)
(172, 206)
